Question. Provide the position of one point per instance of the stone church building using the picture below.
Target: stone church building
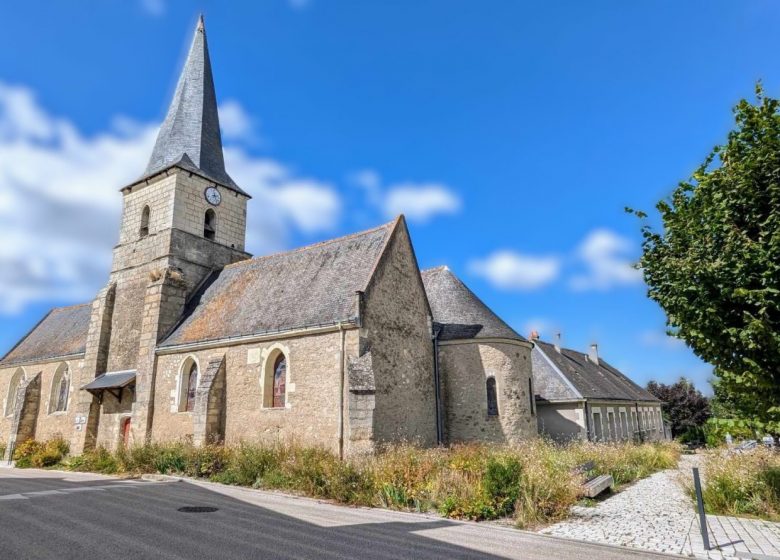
(344, 344)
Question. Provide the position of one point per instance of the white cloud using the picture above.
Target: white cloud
(235, 122)
(656, 339)
(514, 271)
(60, 205)
(153, 7)
(419, 202)
(604, 255)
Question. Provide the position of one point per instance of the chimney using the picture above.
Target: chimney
(534, 335)
(593, 354)
(558, 342)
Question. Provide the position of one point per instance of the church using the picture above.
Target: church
(344, 344)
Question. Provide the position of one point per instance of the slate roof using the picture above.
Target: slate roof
(62, 332)
(311, 286)
(111, 380)
(458, 311)
(190, 137)
(582, 378)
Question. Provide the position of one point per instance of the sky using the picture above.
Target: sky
(511, 134)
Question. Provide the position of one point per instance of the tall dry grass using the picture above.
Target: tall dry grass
(534, 483)
(742, 484)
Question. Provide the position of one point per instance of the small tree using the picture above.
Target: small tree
(715, 267)
(683, 406)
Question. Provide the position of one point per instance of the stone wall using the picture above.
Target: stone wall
(564, 421)
(311, 414)
(396, 329)
(465, 367)
(190, 208)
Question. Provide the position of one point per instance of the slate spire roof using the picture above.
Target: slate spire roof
(190, 137)
(458, 312)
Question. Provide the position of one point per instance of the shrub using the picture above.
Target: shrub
(742, 484)
(2, 448)
(98, 460)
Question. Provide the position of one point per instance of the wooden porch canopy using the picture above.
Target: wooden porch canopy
(113, 382)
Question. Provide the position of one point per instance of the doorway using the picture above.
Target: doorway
(124, 433)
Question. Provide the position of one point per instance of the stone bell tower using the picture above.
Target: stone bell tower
(184, 218)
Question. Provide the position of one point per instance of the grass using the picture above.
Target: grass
(744, 484)
(533, 483)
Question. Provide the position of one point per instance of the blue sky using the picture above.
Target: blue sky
(512, 134)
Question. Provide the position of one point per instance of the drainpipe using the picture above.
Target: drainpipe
(437, 387)
(587, 421)
(342, 385)
(639, 423)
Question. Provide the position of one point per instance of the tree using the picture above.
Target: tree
(683, 405)
(715, 266)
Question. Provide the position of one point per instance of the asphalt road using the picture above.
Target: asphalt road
(53, 515)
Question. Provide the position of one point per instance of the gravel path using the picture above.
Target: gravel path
(652, 514)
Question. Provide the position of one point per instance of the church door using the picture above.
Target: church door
(125, 433)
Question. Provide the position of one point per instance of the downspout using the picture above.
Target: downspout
(342, 385)
(639, 423)
(437, 387)
(587, 421)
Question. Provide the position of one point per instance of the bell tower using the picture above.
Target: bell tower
(182, 219)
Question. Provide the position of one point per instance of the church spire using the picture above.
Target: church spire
(189, 137)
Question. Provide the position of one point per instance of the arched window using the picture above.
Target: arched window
(210, 224)
(60, 386)
(188, 385)
(13, 388)
(275, 381)
(145, 215)
(492, 397)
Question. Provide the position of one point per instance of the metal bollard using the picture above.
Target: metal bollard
(700, 503)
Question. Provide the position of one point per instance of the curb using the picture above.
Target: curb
(160, 478)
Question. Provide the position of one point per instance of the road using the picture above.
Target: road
(55, 515)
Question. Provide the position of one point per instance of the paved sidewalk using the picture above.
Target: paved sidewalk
(656, 514)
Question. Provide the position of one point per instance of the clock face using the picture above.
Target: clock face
(212, 196)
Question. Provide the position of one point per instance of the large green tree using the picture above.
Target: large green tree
(683, 405)
(715, 266)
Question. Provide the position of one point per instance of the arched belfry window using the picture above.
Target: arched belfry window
(275, 381)
(492, 397)
(146, 214)
(13, 389)
(188, 385)
(210, 224)
(60, 386)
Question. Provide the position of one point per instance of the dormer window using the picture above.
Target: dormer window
(210, 224)
(145, 215)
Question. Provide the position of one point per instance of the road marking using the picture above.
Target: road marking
(66, 491)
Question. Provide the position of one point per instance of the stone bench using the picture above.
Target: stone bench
(596, 486)
(593, 485)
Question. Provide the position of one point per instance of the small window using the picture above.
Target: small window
(598, 431)
(145, 216)
(188, 385)
(210, 224)
(59, 389)
(192, 387)
(492, 397)
(280, 381)
(531, 399)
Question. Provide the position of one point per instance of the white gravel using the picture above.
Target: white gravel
(652, 514)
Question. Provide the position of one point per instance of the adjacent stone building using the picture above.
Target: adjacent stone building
(342, 344)
(581, 396)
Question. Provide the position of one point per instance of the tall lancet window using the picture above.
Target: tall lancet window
(59, 389)
(492, 397)
(145, 215)
(210, 224)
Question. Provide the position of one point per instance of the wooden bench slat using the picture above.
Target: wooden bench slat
(594, 487)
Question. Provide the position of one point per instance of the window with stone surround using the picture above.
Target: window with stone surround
(492, 396)
(188, 385)
(275, 381)
(145, 217)
(60, 386)
(210, 224)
